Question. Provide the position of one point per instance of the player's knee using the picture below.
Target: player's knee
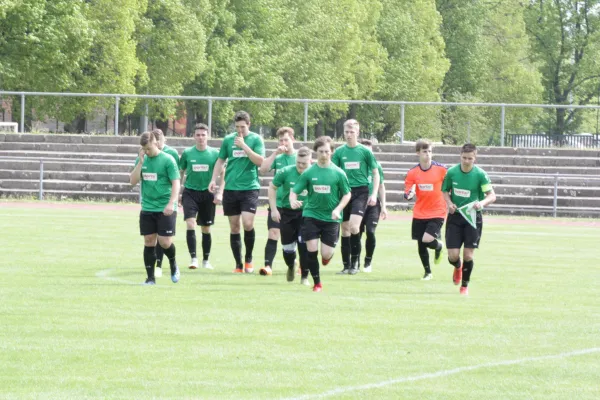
(289, 248)
(190, 224)
(205, 229)
(274, 234)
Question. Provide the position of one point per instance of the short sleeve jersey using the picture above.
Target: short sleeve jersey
(157, 174)
(285, 180)
(428, 189)
(466, 187)
(371, 178)
(325, 186)
(282, 161)
(241, 172)
(198, 166)
(172, 152)
(357, 162)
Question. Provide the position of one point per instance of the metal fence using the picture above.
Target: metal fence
(306, 102)
(583, 141)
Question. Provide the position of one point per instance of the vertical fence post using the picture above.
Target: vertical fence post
(502, 116)
(555, 200)
(306, 121)
(402, 123)
(41, 194)
(117, 99)
(210, 117)
(22, 113)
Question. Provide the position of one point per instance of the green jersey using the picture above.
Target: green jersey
(466, 187)
(157, 174)
(172, 152)
(285, 180)
(357, 162)
(371, 179)
(198, 166)
(326, 186)
(241, 173)
(283, 160)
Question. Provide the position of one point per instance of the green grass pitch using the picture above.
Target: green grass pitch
(75, 323)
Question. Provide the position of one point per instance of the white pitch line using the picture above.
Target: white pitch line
(340, 391)
(105, 274)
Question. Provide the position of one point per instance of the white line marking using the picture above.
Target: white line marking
(105, 274)
(340, 391)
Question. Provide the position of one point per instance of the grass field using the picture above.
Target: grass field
(75, 322)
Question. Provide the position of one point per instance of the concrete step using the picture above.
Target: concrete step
(71, 195)
(66, 175)
(68, 186)
(67, 165)
(25, 154)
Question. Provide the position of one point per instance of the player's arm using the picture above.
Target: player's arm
(272, 192)
(267, 164)
(173, 173)
(490, 197)
(182, 185)
(255, 156)
(373, 197)
(212, 187)
(298, 188)
(382, 198)
(344, 187)
(409, 181)
(449, 203)
(136, 174)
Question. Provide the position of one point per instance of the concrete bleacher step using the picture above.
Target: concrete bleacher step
(71, 195)
(121, 177)
(53, 185)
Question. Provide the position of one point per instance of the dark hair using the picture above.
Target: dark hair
(147, 137)
(200, 126)
(157, 133)
(365, 142)
(303, 152)
(422, 144)
(242, 116)
(468, 148)
(322, 141)
(283, 130)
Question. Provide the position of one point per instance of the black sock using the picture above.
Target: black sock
(170, 253)
(370, 245)
(249, 244)
(456, 263)
(270, 250)
(235, 241)
(149, 260)
(355, 247)
(313, 266)
(159, 255)
(191, 242)
(206, 245)
(290, 258)
(424, 256)
(467, 269)
(303, 255)
(346, 251)
(434, 245)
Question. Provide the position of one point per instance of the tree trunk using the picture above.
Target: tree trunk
(319, 128)
(163, 125)
(560, 121)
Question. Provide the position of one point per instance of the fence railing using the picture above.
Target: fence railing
(532, 140)
(210, 99)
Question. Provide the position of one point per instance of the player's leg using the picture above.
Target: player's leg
(191, 206)
(231, 209)
(430, 237)
(372, 219)
(166, 232)
(418, 228)
(248, 204)
(289, 244)
(148, 230)
(359, 205)
(330, 233)
(472, 238)
(345, 247)
(311, 232)
(271, 246)
(454, 241)
(206, 218)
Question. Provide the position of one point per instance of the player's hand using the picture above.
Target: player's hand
(239, 142)
(336, 215)
(296, 204)
(212, 187)
(372, 200)
(275, 216)
(452, 208)
(410, 195)
(218, 198)
(141, 155)
(180, 198)
(384, 213)
(281, 149)
(169, 209)
(477, 206)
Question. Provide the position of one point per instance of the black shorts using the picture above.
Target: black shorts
(328, 232)
(358, 202)
(157, 222)
(198, 204)
(237, 201)
(291, 225)
(459, 232)
(371, 218)
(432, 226)
(270, 223)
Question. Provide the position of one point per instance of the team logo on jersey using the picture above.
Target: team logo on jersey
(352, 165)
(324, 189)
(426, 187)
(200, 167)
(149, 176)
(462, 193)
(239, 153)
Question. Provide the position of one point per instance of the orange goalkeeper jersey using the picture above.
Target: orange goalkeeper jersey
(428, 188)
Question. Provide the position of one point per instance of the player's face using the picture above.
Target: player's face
(324, 153)
(242, 128)
(467, 160)
(201, 137)
(302, 163)
(161, 142)
(287, 141)
(150, 149)
(351, 133)
(425, 155)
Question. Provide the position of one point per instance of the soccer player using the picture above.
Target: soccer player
(159, 177)
(244, 152)
(465, 183)
(290, 219)
(357, 162)
(197, 164)
(161, 142)
(283, 156)
(328, 192)
(372, 213)
(430, 208)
